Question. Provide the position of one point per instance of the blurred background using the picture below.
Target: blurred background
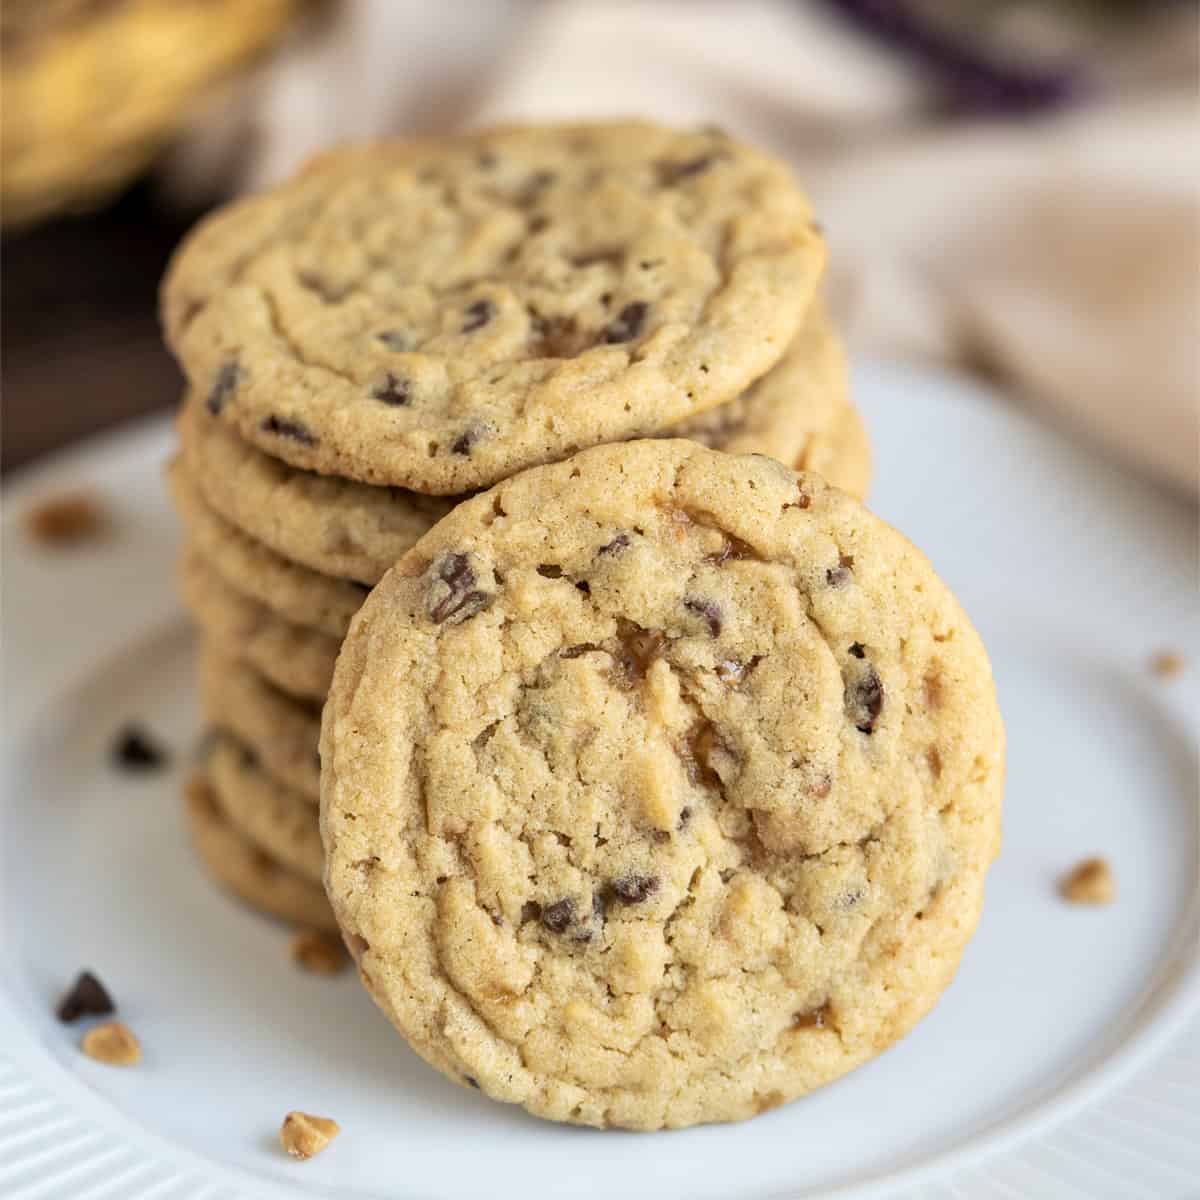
(1009, 187)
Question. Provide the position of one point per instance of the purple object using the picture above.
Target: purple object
(975, 81)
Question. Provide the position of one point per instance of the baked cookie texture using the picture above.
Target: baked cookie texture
(293, 591)
(659, 787)
(245, 870)
(798, 412)
(437, 315)
(93, 91)
(294, 658)
(269, 815)
(282, 731)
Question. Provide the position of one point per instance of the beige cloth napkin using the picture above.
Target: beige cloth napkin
(1062, 254)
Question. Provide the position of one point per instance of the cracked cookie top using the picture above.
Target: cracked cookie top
(437, 315)
(659, 787)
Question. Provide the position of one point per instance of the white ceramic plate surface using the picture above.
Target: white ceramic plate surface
(1064, 1061)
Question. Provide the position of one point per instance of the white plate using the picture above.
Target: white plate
(1073, 572)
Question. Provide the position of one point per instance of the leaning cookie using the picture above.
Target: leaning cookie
(245, 870)
(659, 787)
(430, 314)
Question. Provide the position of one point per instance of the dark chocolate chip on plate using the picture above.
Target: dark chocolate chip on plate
(87, 997)
(136, 750)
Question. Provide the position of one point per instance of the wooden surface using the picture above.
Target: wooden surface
(80, 348)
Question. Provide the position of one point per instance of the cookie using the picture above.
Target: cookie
(294, 592)
(350, 530)
(440, 314)
(245, 870)
(273, 817)
(356, 532)
(282, 731)
(93, 91)
(841, 453)
(659, 787)
(296, 659)
(779, 415)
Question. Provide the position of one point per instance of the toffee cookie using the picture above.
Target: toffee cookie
(273, 817)
(245, 870)
(659, 787)
(281, 730)
(440, 314)
(341, 528)
(296, 659)
(296, 593)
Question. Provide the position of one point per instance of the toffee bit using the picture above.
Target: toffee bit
(112, 1043)
(67, 520)
(302, 1134)
(1090, 882)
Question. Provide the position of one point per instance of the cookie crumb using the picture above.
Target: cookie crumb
(1091, 882)
(303, 1135)
(1167, 664)
(88, 997)
(67, 519)
(135, 750)
(112, 1043)
(319, 952)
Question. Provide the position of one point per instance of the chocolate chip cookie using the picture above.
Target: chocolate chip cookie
(272, 817)
(249, 873)
(281, 730)
(659, 787)
(294, 658)
(440, 314)
(296, 593)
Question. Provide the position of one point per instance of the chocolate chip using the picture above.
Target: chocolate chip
(685, 816)
(864, 696)
(628, 322)
(559, 916)
(452, 596)
(478, 315)
(857, 649)
(88, 997)
(392, 391)
(226, 380)
(465, 440)
(633, 889)
(395, 339)
(616, 545)
(135, 750)
(670, 173)
(803, 499)
(839, 576)
(472, 1081)
(707, 609)
(282, 427)
(531, 910)
(550, 571)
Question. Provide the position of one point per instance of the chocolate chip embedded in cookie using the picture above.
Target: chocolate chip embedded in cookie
(429, 314)
(659, 787)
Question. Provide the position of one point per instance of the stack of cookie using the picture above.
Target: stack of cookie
(404, 325)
